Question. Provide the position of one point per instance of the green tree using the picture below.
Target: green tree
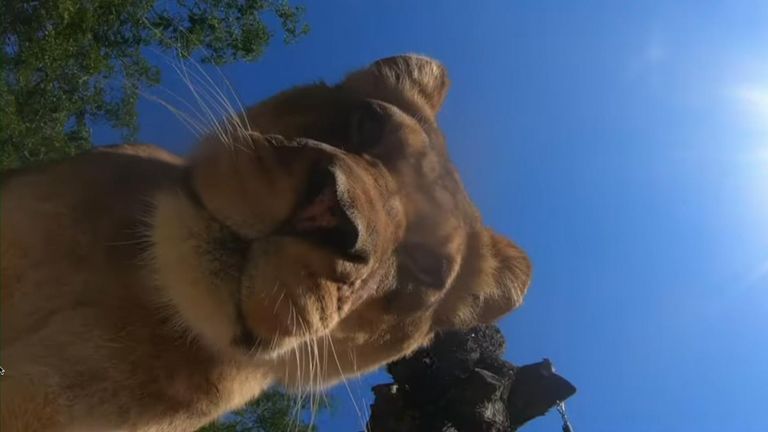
(273, 411)
(68, 63)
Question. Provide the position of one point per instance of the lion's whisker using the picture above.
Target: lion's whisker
(346, 384)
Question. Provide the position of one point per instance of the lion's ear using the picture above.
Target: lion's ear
(493, 280)
(421, 78)
(510, 277)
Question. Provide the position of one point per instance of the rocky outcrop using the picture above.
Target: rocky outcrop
(461, 384)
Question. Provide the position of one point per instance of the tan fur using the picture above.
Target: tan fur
(143, 292)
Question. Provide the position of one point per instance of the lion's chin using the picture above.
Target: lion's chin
(278, 348)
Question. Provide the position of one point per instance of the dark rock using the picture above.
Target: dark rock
(461, 384)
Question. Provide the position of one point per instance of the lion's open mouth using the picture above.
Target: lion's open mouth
(321, 218)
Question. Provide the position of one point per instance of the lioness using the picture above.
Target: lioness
(144, 292)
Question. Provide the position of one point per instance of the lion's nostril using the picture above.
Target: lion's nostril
(346, 232)
(341, 238)
(322, 219)
(357, 256)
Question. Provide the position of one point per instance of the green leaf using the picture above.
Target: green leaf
(273, 411)
(67, 64)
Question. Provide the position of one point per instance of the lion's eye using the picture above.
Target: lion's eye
(425, 266)
(367, 126)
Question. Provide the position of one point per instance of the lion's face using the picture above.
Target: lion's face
(354, 238)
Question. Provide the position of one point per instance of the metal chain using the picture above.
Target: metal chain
(560, 406)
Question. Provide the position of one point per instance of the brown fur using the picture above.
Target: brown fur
(143, 292)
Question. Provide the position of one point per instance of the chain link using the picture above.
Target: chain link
(564, 417)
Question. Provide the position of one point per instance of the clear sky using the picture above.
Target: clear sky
(625, 146)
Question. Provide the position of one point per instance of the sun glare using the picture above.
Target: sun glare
(751, 103)
(754, 100)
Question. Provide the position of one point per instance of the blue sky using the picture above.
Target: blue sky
(625, 146)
